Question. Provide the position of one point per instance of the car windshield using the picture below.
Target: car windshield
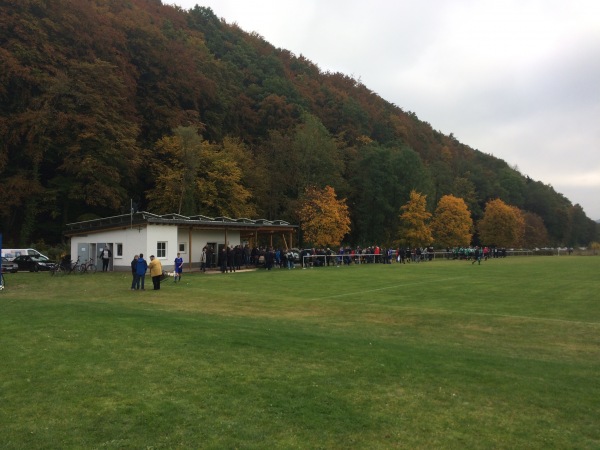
(38, 259)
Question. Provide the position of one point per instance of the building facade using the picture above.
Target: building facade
(166, 235)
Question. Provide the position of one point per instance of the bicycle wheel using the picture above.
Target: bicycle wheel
(80, 269)
(91, 268)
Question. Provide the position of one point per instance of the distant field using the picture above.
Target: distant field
(433, 355)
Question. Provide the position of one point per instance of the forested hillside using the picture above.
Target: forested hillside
(105, 102)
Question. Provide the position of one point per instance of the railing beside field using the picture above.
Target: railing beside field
(370, 258)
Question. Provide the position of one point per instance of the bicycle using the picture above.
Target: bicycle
(66, 266)
(61, 267)
(88, 266)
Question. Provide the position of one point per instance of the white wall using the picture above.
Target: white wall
(132, 239)
(166, 234)
(134, 242)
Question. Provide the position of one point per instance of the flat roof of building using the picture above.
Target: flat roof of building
(197, 221)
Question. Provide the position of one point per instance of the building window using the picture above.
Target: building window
(181, 247)
(161, 249)
(119, 253)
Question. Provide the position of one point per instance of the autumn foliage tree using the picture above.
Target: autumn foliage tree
(535, 234)
(414, 229)
(452, 224)
(502, 225)
(87, 89)
(192, 176)
(175, 170)
(220, 185)
(324, 219)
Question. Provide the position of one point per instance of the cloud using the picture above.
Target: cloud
(517, 79)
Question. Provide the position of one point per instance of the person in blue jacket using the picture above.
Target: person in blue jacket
(134, 271)
(142, 267)
(178, 268)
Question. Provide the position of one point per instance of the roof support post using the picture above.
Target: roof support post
(190, 247)
(285, 241)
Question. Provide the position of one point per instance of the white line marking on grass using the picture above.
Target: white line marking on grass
(449, 311)
(385, 288)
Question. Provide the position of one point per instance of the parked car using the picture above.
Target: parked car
(12, 253)
(9, 266)
(33, 263)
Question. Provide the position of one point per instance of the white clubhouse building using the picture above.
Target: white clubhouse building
(166, 235)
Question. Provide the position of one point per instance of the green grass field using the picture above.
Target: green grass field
(432, 355)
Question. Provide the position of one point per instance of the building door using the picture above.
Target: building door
(84, 252)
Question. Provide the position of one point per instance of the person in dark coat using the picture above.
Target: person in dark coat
(238, 257)
(269, 259)
(477, 256)
(210, 254)
(134, 271)
(230, 257)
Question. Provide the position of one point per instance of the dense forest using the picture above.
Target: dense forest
(105, 103)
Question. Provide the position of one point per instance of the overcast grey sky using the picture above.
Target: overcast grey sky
(518, 79)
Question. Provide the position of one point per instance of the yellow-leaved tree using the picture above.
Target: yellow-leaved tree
(452, 225)
(414, 229)
(502, 225)
(193, 176)
(323, 218)
(174, 170)
(219, 185)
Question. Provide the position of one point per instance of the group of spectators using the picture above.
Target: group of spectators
(139, 267)
(365, 255)
(387, 255)
(232, 258)
(468, 253)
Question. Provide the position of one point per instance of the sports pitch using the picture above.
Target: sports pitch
(442, 354)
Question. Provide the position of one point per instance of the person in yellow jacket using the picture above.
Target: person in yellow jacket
(155, 271)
